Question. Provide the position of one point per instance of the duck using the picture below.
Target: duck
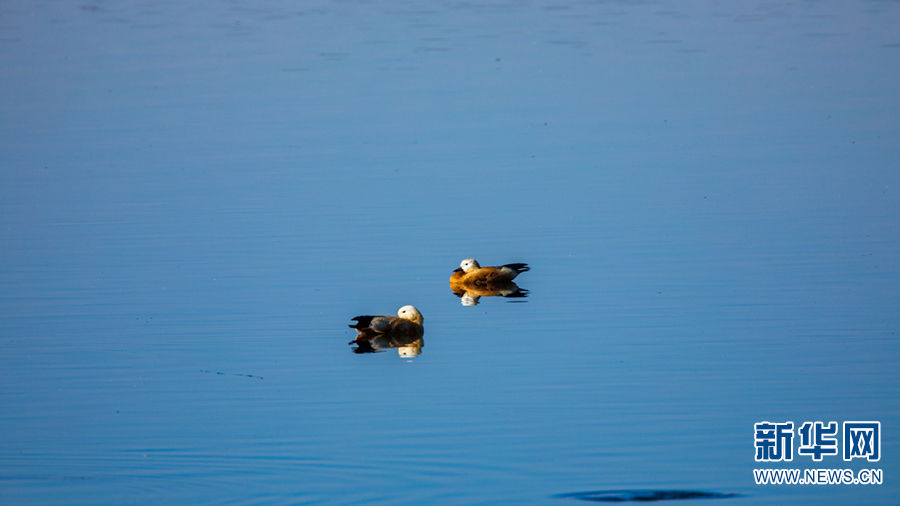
(470, 273)
(407, 324)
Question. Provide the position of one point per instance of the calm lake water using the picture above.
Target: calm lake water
(195, 200)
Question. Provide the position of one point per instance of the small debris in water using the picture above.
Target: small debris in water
(220, 373)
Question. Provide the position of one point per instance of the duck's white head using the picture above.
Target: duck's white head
(410, 313)
(468, 264)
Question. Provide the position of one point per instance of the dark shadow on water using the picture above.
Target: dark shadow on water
(644, 495)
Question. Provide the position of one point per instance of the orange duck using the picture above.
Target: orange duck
(403, 332)
(470, 273)
(407, 323)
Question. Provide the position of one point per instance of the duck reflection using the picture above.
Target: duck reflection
(470, 282)
(405, 346)
(403, 332)
(470, 295)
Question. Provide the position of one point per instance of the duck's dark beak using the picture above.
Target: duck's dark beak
(458, 269)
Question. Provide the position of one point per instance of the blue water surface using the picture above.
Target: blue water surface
(196, 197)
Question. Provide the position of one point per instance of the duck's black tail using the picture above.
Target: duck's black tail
(519, 268)
(362, 322)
